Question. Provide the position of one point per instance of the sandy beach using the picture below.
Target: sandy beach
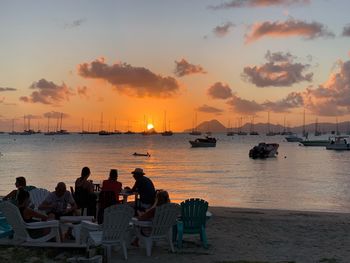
(236, 235)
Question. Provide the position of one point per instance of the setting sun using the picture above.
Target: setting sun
(150, 126)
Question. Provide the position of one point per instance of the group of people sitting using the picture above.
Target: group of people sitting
(63, 203)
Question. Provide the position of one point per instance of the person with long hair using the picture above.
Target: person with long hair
(84, 192)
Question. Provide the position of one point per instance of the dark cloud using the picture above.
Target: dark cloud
(288, 28)
(244, 106)
(219, 91)
(55, 114)
(293, 100)
(223, 30)
(279, 71)
(133, 81)
(82, 91)
(75, 23)
(209, 109)
(258, 3)
(47, 92)
(2, 89)
(183, 68)
(346, 31)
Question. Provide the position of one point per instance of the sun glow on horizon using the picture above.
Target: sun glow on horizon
(150, 126)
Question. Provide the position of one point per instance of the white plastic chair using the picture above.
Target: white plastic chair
(20, 227)
(164, 219)
(37, 196)
(114, 229)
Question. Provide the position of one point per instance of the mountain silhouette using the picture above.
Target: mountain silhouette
(262, 128)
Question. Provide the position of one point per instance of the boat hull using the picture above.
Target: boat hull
(315, 143)
(202, 144)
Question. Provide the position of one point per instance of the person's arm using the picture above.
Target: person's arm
(11, 195)
(30, 213)
(134, 188)
(46, 204)
(73, 205)
(148, 215)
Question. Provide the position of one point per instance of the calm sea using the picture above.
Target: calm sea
(300, 178)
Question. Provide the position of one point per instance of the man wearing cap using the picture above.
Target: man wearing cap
(144, 187)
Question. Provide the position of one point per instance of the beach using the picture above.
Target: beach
(236, 235)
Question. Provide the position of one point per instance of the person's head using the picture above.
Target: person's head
(23, 197)
(113, 174)
(138, 173)
(85, 172)
(60, 189)
(162, 197)
(20, 182)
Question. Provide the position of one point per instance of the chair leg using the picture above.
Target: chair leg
(170, 240)
(148, 243)
(204, 237)
(179, 234)
(174, 233)
(125, 252)
(109, 253)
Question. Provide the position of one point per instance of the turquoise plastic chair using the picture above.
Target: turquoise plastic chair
(5, 228)
(192, 221)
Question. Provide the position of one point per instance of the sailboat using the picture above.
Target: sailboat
(102, 131)
(61, 131)
(229, 130)
(317, 132)
(25, 130)
(194, 129)
(305, 133)
(240, 132)
(166, 132)
(252, 132)
(48, 127)
(269, 132)
(13, 132)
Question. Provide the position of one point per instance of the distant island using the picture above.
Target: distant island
(216, 126)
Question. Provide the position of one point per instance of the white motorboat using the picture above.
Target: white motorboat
(339, 143)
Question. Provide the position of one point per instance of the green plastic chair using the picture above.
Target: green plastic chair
(192, 221)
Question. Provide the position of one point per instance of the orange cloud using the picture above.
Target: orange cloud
(258, 3)
(129, 80)
(184, 68)
(288, 28)
(47, 92)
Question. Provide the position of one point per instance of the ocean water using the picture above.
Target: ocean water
(300, 178)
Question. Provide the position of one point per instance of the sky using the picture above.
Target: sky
(122, 64)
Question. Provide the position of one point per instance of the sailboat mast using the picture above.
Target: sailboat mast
(304, 132)
(48, 123)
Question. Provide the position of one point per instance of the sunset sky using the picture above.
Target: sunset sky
(130, 60)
